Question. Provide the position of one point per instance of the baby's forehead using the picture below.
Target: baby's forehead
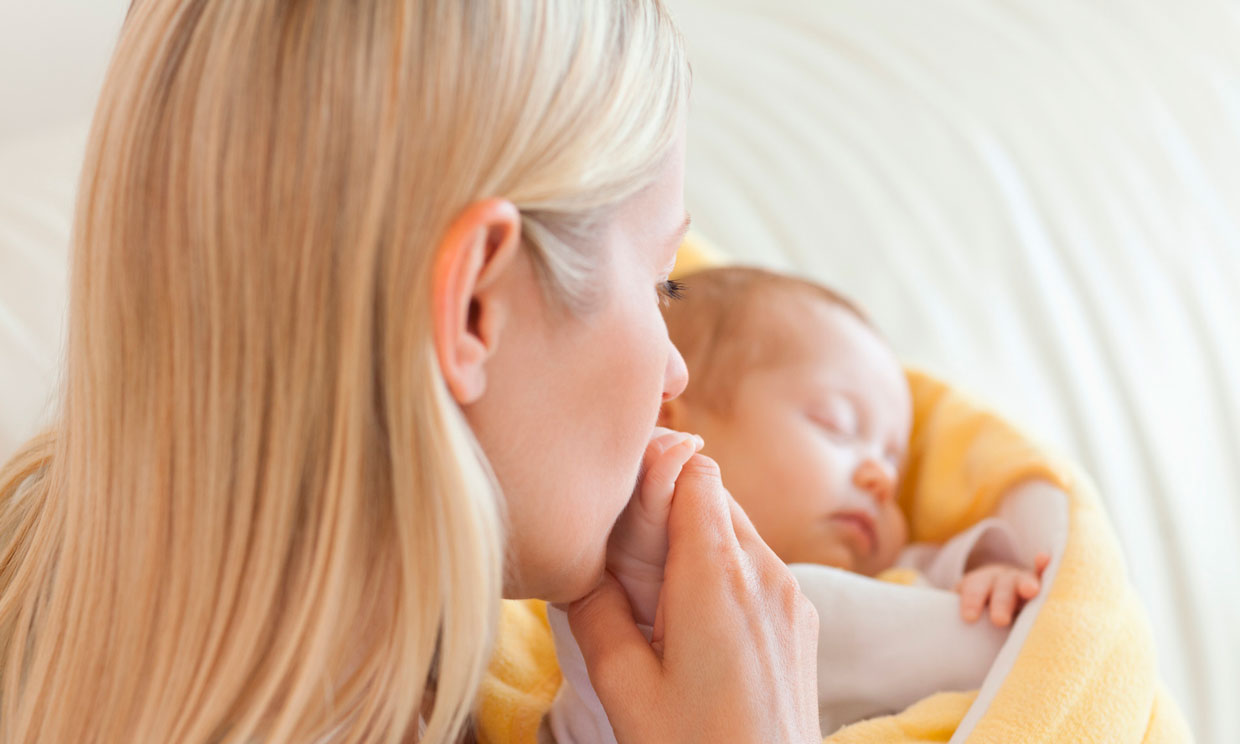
(800, 335)
(797, 323)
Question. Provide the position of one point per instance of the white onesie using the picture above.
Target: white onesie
(881, 646)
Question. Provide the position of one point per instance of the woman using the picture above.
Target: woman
(363, 335)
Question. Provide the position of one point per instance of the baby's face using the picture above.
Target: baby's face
(813, 447)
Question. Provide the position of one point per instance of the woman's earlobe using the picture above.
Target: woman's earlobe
(466, 309)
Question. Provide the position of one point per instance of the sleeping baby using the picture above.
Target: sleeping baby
(808, 414)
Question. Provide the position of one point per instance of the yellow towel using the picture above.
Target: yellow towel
(523, 677)
(1085, 673)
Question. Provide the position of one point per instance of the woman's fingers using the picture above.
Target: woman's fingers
(742, 525)
(713, 542)
(700, 521)
(615, 651)
(734, 648)
(699, 528)
(760, 554)
(637, 548)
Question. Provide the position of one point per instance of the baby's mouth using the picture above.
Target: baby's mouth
(861, 526)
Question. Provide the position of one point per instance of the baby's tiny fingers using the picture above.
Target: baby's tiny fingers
(974, 589)
(1028, 587)
(1003, 600)
(1040, 562)
(660, 480)
(660, 442)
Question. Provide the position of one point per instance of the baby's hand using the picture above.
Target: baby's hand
(1005, 588)
(637, 548)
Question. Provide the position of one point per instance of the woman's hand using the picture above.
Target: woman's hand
(637, 548)
(734, 651)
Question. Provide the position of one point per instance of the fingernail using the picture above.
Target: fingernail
(700, 442)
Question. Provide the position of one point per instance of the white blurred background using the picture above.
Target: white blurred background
(1039, 201)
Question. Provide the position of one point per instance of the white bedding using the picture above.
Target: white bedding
(1039, 201)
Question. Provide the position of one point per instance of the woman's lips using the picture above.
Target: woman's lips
(860, 525)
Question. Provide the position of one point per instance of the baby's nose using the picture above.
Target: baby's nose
(872, 477)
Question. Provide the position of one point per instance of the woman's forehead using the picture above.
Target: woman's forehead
(655, 215)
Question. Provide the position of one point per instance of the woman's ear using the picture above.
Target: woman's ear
(467, 312)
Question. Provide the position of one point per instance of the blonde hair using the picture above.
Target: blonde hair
(721, 332)
(260, 515)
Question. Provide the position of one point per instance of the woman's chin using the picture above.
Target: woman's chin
(567, 582)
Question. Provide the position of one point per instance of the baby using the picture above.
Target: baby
(808, 414)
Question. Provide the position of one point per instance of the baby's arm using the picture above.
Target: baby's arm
(883, 647)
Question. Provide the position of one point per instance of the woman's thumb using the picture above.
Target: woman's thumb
(618, 657)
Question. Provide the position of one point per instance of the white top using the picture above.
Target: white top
(881, 646)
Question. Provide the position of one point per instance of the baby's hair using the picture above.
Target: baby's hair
(714, 327)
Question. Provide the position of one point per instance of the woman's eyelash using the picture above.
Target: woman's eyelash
(671, 290)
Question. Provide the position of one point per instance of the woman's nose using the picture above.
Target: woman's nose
(872, 477)
(676, 376)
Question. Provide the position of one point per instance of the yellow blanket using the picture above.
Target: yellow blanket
(1085, 673)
